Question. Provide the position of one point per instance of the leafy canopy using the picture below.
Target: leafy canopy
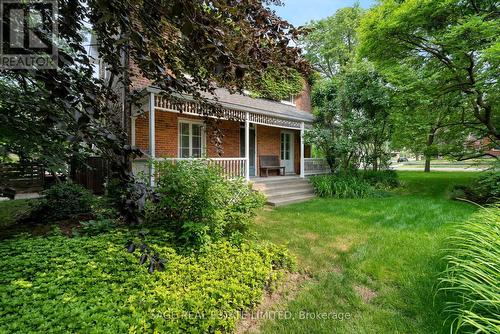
(458, 40)
(331, 43)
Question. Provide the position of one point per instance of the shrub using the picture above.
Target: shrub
(62, 201)
(341, 186)
(483, 190)
(92, 284)
(472, 277)
(385, 179)
(199, 205)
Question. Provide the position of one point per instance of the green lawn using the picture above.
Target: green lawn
(375, 260)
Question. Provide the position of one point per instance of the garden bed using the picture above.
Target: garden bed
(59, 284)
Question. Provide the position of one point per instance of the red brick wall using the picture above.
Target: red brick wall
(268, 143)
(137, 79)
(230, 140)
(303, 100)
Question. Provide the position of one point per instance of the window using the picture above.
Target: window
(191, 139)
(290, 100)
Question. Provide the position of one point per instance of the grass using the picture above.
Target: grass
(9, 210)
(374, 260)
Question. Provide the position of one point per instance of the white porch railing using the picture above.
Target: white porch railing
(231, 167)
(314, 166)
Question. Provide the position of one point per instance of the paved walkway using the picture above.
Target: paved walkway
(23, 196)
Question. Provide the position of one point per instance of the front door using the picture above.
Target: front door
(252, 147)
(287, 151)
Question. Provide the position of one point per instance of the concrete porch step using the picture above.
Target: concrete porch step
(286, 195)
(291, 200)
(291, 185)
(284, 190)
(274, 193)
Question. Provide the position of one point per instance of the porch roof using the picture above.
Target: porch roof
(257, 106)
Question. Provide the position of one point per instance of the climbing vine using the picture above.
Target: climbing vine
(277, 86)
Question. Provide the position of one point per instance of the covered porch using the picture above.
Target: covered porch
(177, 131)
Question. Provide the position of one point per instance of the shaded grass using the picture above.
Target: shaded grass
(11, 210)
(386, 246)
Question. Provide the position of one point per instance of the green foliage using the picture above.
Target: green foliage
(341, 186)
(96, 227)
(483, 190)
(331, 43)
(385, 179)
(92, 284)
(352, 119)
(63, 200)
(355, 184)
(276, 85)
(199, 205)
(11, 211)
(472, 275)
(452, 42)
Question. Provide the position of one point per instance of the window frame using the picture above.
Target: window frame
(290, 101)
(190, 123)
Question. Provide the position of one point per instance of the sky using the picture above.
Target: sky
(299, 12)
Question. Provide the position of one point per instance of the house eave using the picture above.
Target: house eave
(299, 115)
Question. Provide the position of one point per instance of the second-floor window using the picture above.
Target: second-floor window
(290, 100)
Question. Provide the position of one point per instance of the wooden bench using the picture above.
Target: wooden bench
(270, 162)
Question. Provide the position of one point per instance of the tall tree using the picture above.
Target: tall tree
(458, 40)
(426, 121)
(331, 43)
(352, 126)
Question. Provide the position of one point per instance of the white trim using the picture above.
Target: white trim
(292, 149)
(203, 135)
(152, 135)
(253, 110)
(302, 172)
(254, 128)
(290, 103)
(216, 117)
(247, 146)
(132, 130)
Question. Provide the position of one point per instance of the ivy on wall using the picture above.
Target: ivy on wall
(277, 86)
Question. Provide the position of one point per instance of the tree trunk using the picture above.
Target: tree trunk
(427, 168)
(428, 154)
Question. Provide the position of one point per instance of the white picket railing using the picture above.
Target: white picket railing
(314, 166)
(231, 167)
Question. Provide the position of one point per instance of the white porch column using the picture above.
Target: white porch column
(132, 130)
(302, 174)
(152, 135)
(247, 146)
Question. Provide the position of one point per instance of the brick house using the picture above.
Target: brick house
(250, 127)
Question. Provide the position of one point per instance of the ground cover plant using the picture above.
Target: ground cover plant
(472, 277)
(376, 259)
(92, 284)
